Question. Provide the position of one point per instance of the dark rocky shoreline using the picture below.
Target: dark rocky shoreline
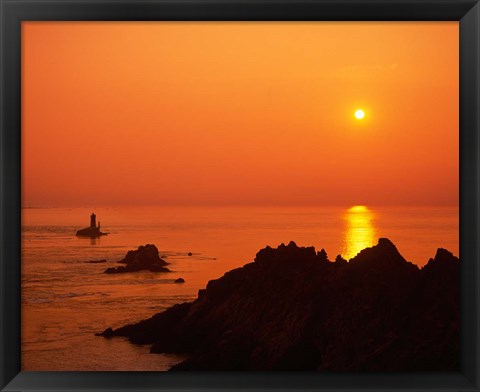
(293, 309)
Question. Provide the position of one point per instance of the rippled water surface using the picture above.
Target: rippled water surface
(65, 299)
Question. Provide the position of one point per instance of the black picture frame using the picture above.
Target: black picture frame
(13, 12)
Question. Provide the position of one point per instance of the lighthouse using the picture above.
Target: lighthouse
(93, 231)
(93, 220)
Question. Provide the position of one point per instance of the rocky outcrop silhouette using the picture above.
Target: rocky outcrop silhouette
(91, 232)
(145, 258)
(293, 309)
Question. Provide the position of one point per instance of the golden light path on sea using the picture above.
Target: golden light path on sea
(360, 232)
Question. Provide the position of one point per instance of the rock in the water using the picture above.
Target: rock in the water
(96, 261)
(91, 232)
(190, 253)
(179, 280)
(145, 258)
(293, 309)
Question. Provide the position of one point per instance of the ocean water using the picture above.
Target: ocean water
(66, 300)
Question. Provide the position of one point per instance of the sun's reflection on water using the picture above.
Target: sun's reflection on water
(360, 232)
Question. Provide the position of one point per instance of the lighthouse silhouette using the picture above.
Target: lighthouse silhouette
(93, 230)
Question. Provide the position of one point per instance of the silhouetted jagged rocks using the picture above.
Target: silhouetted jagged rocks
(340, 259)
(144, 258)
(293, 309)
(93, 231)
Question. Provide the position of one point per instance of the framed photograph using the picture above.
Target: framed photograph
(213, 195)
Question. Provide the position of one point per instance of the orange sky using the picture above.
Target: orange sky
(239, 113)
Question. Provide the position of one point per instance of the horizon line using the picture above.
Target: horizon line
(260, 205)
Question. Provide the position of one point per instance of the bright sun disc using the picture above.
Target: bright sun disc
(359, 114)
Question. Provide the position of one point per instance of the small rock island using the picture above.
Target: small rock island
(93, 231)
(145, 258)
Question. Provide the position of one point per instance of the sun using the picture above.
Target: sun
(359, 114)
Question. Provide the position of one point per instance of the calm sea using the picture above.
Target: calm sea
(65, 300)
